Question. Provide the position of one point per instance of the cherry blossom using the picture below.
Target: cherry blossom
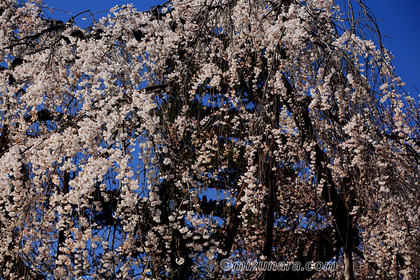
(154, 144)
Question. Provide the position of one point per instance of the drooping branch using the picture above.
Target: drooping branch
(342, 236)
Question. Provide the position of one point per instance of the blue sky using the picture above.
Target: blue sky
(400, 20)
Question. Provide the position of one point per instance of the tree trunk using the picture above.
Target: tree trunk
(348, 265)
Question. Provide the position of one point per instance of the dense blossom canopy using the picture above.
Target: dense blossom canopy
(153, 145)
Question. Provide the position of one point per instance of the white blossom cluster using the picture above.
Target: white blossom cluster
(153, 144)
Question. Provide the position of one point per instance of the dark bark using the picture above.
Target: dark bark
(61, 234)
(230, 230)
(269, 222)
